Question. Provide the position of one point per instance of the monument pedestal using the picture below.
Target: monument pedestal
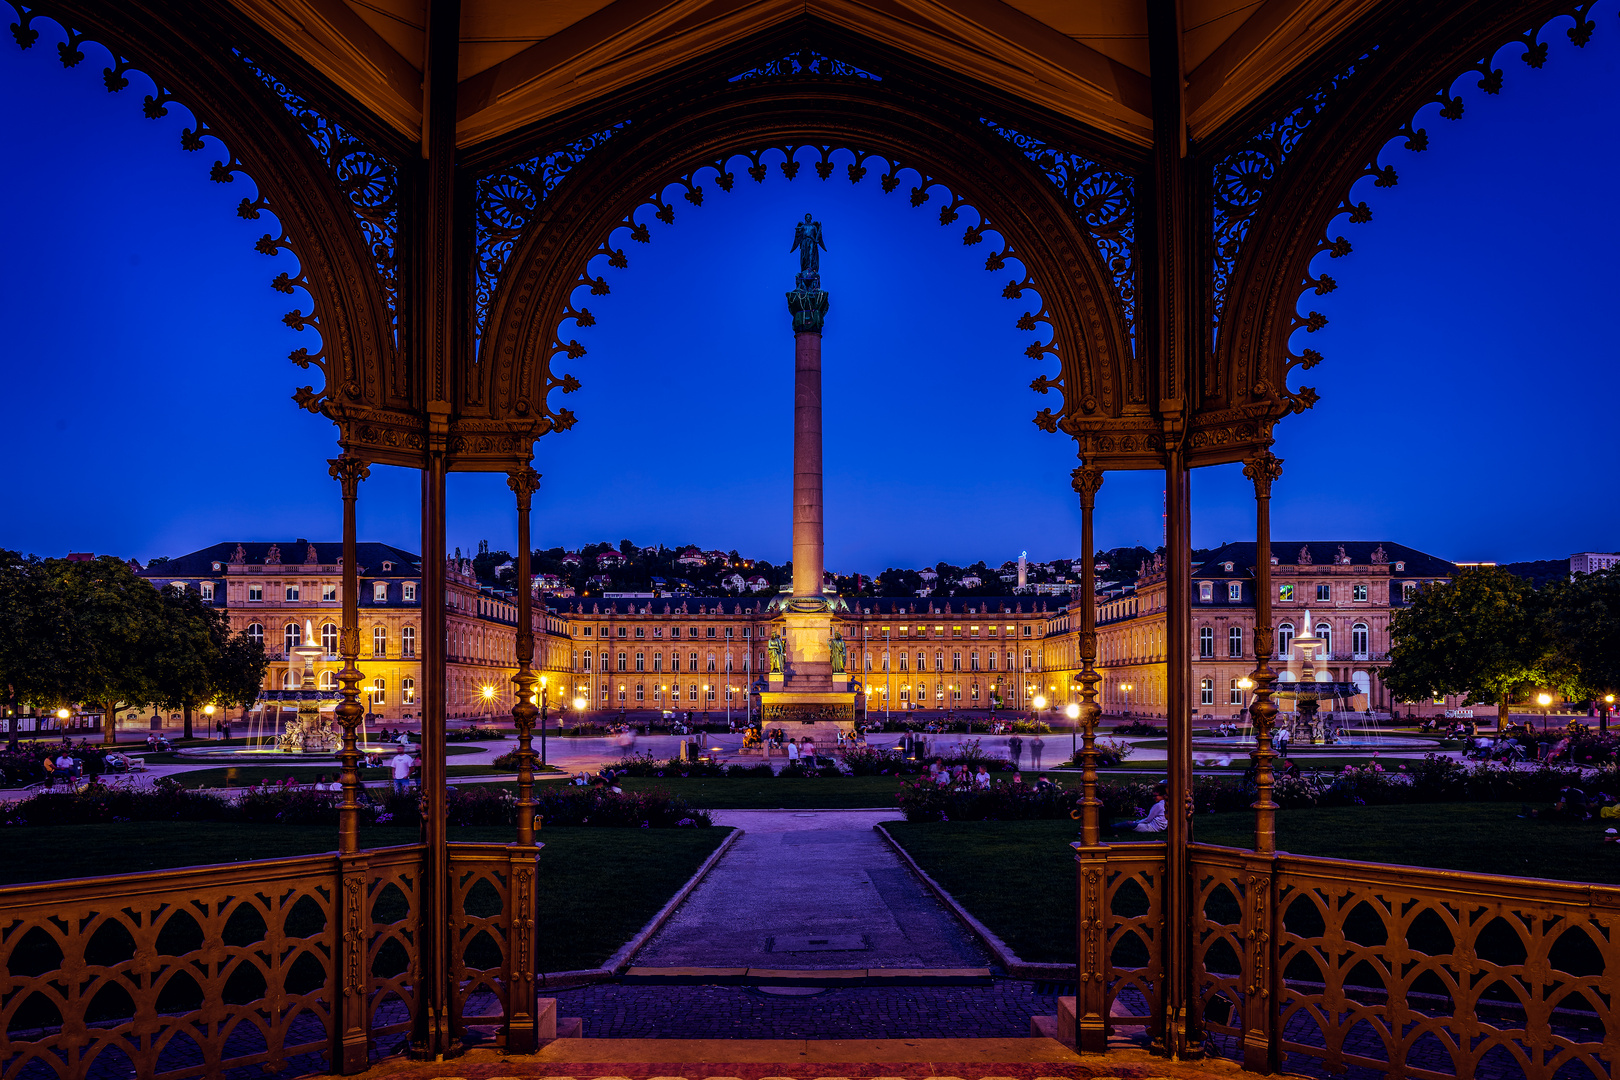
(807, 697)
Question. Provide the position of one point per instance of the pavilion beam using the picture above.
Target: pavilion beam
(1170, 276)
(437, 1026)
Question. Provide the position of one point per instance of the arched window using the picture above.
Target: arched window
(658, 662)
(293, 635)
(621, 667)
(1325, 632)
(379, 641)
(1234, 643)
(255, 633)
(1028, 660)
(407, 642)
(711, 663)
(1363, 685)
(587, 666)
(290, 680)
(328, 680)
(407, 691)
(1358, 640)
(903, 660)
(329, 639)
(1285, 641)
(379, 692)
(939, 661)
(1206, 691)
(692, 660)
(1206, 646)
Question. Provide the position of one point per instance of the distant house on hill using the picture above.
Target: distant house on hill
(971, 581)
(757, 584)
(608, 558)
(733, 583)
(691, 557)
(570, 558)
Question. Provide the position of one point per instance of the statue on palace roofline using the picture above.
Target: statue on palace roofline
(808, 243)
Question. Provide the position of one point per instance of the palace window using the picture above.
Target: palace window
(329, 639)
(407, 641)
(328, 680)
(379, 692)
(711, 632)
(745, 633)
(379, 641)
(622, 631)
(658, 661)
(1285, 641)
(1206, 591)
(1234, 694)
(379, 592)
(255, 633)
(587, 666)
(407, 691)
(1358, 640)
(710, 668)
(641, 663)
(1324, 592)
(1234, 642)
(255, 594)
(691, 663)
(207, 590)
(956, 692)
(1206, 691)
(409, 590)
(903, 660)
(1028, 661)
(728, 634)
(293, 635)
(709, 691)
(641, 631)
(939, 661)
(1026, 630)
(691, 692)
(292, 592)
(1206, 643)
(1358, 593)
(1285, 592)
(1325, 632)
(956, 661)
(641, 692)
(658, 631)
(621, 667)
(1234, 591)
(973, 660)
(991, 657)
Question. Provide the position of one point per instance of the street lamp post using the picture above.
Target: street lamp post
(1040, 704)
(1603, 714)
(1545, 701)
(1246, 684)
(543, 699)
(1127, 688)
(208, 711)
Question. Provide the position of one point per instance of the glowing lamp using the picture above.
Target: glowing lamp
(1544, 700)
(579, 703)
(1073, 711)
(62, 714)
(489, 692)
(1040, 701)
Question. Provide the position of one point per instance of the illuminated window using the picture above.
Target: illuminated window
(379, 592)
(407, 641)
(1206, 691)
(1206, 591)
(379, 692)
(407, 691)
(379, 641)
(328, 680)
(255, 633)
(1234, 591)
(329, 639)
(1285, 592)
(1358, 593)
(293, 635)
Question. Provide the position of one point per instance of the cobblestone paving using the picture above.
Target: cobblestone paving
(611, 1011)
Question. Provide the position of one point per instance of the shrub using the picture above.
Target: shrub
(758, 769)
(1138, 727)
(921, 800)
(649, 766)
(164, 801)
(1110, 754)
(474, 734)
(864, 760)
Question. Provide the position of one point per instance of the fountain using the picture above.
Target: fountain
(311, 732)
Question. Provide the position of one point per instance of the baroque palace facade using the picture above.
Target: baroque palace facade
(704, 654)
(1345, 591)
(279, 594)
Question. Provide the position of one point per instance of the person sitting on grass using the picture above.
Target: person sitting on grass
(1155, 821)
(1572, 803)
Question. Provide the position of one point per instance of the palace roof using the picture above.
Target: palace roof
(292, 554)
(1324, 553)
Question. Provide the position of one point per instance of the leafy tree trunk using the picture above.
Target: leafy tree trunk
(1502, 716)
(109, 722)
(187, 710)
(16, 720)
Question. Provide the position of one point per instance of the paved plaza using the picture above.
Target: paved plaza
(810, 890)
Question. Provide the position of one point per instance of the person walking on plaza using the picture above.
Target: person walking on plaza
(808, 751)
(792, 753)
(401, 764)
(1015, 748)
(1036, 745)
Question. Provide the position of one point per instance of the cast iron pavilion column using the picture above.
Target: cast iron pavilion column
(1091, 855)
(522, 1034)
(353, 1034)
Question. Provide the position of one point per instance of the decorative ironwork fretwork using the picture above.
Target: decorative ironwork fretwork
(368, 180)
(1103, 199)
(805, 62)
(505, 204)
(1242, 178)
(755, 165)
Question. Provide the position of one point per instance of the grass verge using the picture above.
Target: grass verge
(248, 775)
(1017, 877)
(597, 887)
(768, 793)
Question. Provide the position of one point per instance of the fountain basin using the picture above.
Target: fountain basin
(269, 755)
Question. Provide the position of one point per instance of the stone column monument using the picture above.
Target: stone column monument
(810, 691)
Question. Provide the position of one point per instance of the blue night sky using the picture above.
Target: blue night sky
(1467, 393)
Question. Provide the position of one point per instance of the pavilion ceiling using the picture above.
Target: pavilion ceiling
(523, 62)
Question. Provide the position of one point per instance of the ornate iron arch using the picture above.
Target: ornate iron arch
(1319, 147)
(334, 193)
(1053, 208)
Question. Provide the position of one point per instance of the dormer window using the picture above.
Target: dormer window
(207, 590)
(410, 590)
(216, 566)
(1400, 567)
(387, 566)
(379, 592)
(1206, 591)
(1227, 567)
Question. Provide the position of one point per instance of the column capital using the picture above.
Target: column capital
(524, 483)
(1085, 480)
(1263, 468)
(348, 469)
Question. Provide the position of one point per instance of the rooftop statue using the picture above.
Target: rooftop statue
(808, 243)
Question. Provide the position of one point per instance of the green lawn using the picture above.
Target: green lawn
(248, 775)
(596, 889)
(184, 759)
(1017, 877)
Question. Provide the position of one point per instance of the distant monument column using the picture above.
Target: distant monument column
(808, 303)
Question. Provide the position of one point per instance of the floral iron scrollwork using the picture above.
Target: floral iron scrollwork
(504, 204)
(368, 180)
(1103, 199)
(805, 62)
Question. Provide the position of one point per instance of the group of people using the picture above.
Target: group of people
(1015, 750)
